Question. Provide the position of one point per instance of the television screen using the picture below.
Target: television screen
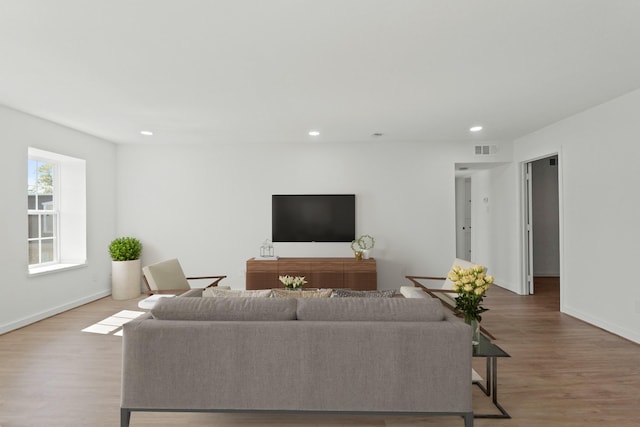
(313, 218)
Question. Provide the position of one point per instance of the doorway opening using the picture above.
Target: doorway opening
(542, 225)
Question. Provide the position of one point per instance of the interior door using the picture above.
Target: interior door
(463, 218)
(529, 226)
(466, 226)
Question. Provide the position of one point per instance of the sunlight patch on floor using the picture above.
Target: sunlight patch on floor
(113, 324)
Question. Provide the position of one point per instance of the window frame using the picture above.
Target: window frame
(41, 213)
(69, 211)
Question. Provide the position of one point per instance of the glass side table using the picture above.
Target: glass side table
(491, 352)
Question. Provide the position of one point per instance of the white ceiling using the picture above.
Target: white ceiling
(233, 71)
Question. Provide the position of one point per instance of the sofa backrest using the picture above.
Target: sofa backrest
(370, 309)
(247, 309)
(305, 309)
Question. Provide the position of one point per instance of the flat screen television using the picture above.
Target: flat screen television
(313, 217)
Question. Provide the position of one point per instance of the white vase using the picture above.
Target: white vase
(125, 279)
(366, 254)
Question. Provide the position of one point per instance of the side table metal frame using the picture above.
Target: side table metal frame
(491, 386)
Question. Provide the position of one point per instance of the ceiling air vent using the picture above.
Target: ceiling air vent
(485, 150)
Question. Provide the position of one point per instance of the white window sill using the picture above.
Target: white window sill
(36, 271)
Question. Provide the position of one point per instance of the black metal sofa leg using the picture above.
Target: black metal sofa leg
(468, 419)
(125, 417)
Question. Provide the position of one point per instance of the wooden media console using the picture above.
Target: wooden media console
(318, 272)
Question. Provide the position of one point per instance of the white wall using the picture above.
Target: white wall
(211, 206)
(27, 299)
(494, 224)
(598, 153)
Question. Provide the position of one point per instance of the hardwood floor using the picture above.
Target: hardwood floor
(562, 372)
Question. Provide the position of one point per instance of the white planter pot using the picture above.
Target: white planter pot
(125, 279)
(366, 254)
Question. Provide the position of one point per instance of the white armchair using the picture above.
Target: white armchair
(168, 277)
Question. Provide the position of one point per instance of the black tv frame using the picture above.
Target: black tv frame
(313, 217)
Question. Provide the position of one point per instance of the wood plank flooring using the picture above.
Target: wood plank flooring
(563, 372)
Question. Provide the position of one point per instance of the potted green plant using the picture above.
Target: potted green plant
(125, 267)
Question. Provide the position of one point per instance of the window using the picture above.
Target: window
(43, 214)
(56, 211)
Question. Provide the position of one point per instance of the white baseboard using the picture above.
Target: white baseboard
(20, 323)
(623, 332)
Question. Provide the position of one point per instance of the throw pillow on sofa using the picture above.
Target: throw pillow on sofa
(413, 292)
(287, 293)
(213, 292)
(350, 293)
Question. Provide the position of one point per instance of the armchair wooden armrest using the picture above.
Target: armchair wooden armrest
(148, 291)
(164, 291)
(425, 278)
(214, 283)
(416, 283)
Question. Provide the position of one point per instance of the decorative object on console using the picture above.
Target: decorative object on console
(362, 246)
(266, 250)
(125, 267)
(471, 284)
(291, 282)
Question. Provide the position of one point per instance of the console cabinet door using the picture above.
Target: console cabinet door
(295, 267)
(262, 275)
(328, 274)
(361, 275)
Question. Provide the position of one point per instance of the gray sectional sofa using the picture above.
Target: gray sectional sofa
(352, 355)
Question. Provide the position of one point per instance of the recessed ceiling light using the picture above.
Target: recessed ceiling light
(146, 132)
(314, 133)
(475, 128)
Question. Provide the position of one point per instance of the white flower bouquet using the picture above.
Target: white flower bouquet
(292, 282)
(470, 284)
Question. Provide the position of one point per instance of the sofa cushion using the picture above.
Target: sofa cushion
(250, 309)
(287, 293)
(350, 293)
(413, 292)
(371, 309)
(216, 292)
